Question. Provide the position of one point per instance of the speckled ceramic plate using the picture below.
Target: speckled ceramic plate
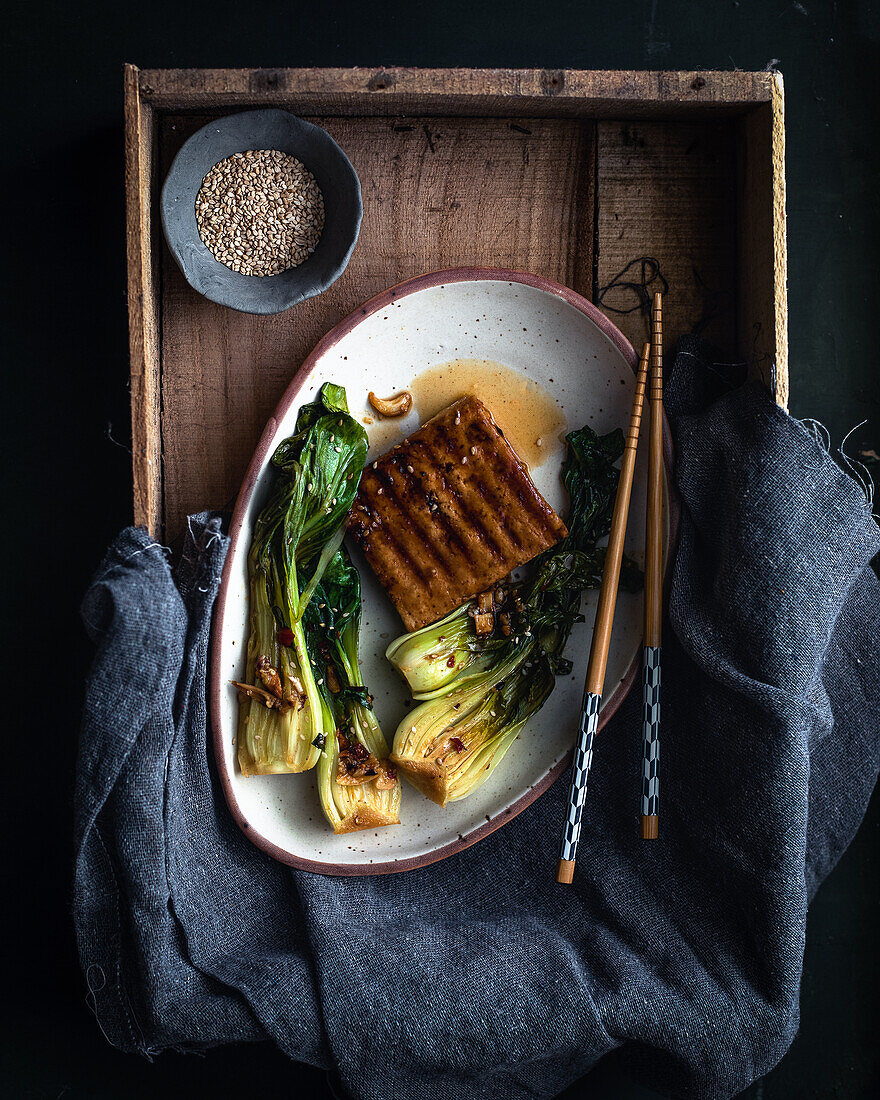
(545, 361)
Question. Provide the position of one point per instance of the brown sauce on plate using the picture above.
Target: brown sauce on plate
(528, 414)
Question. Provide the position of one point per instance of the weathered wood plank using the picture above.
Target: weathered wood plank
(667, 191)
(394, 90)
(491, 167)
(763, 274)
(446, 192)
(142, 308)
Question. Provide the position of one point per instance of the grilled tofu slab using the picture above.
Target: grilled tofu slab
(448, 512)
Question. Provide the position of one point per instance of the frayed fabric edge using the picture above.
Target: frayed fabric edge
(856, 470)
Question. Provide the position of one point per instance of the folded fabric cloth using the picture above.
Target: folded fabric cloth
(480, 976)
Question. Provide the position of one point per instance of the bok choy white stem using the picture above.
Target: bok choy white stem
(357, 786)
(296, 535)
(478, 690)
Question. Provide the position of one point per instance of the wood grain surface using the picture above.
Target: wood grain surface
(452, 192)
(566, 174)
(144, 352)
(762, 268)
(667, 190)
(480, 92)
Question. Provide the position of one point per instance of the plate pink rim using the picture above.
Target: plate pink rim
(292, 394)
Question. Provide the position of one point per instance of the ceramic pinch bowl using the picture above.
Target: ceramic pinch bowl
(268, 129)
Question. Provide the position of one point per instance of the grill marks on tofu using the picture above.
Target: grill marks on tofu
(449, 512)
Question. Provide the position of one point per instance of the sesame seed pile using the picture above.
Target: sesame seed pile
(260, 212)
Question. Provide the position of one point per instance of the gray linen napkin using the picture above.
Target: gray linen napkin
(479, 976)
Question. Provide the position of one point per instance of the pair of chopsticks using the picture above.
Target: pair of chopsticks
(652, 354)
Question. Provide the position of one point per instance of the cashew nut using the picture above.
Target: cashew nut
(399, 405)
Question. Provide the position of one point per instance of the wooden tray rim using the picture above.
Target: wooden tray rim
(388, 91)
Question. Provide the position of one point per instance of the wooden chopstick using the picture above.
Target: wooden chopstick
(653, 586)
(595, 679)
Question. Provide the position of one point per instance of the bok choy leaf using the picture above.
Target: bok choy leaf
(357, 787)
(296, 535)
(479, 689)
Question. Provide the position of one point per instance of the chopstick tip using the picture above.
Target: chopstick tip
(565, 871)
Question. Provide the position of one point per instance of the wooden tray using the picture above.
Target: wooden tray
(566, 174)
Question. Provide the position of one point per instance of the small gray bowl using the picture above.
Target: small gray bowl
(343, 209)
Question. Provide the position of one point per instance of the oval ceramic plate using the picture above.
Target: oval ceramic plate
(550, 342)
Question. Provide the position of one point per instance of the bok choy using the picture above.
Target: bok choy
(357, 787)
(297, 534)
(484, 670)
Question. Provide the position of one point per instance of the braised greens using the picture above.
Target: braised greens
(357, 788)
(303, 700)
(296, 535)
(479, 689)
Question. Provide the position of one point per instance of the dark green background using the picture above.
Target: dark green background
(66, 465)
